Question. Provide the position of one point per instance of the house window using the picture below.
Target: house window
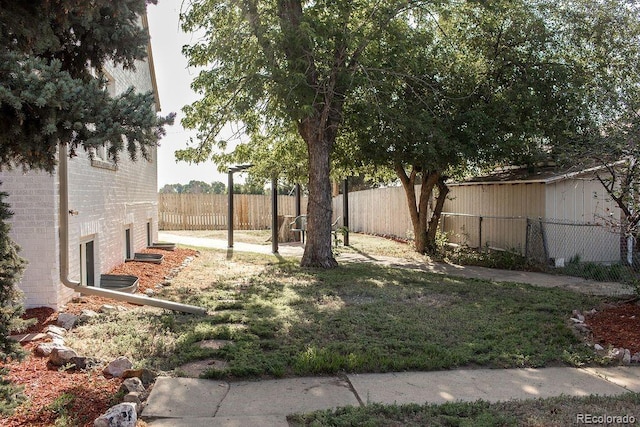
(100, 159)
(128, 253)
(87, 264)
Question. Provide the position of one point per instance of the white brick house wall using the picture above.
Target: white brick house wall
(107, 200)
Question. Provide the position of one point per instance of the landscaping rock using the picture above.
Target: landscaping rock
(626, 358)
(598, 347)
(117, 367)
(24, 338)
(135, 398)
(66, 320)
(578, 316)
(108, 308)
(147, 376)
(150, 292)
(122, 415)
(617, 353)
(44, 349)
(635, 358)
(132, 385)
(82, 363)
(55, 330)
(86, 315)
(61, 356)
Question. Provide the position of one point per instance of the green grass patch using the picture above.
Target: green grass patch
(284, 320)
(556, 411)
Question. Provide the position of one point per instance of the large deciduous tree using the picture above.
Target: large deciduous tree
(478, 84)
(281, 63)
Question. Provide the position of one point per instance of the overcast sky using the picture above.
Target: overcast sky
(174, 79)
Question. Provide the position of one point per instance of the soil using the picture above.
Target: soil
(616, 325)
(94, 394)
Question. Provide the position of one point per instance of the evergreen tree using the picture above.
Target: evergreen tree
(11, 267)
(52, 90)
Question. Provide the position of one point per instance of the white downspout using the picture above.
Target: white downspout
(64, 255)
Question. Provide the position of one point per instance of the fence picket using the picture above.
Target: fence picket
(209, 211)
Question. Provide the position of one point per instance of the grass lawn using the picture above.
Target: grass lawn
(283, 320)
(556, 411)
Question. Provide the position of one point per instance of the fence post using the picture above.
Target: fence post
(526, 239)
(480, 245)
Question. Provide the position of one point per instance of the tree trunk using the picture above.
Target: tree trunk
(424, 231)
(317, 251)
(443, 190)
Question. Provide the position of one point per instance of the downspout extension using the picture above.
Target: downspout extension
(64, 256)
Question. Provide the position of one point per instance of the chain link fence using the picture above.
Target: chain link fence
(595, 251)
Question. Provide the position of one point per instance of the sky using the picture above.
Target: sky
(174, 79)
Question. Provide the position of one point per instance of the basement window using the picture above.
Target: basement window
(149, 235)
(87, 263)
(128, 243)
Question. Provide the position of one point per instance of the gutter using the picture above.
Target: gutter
(64, 256)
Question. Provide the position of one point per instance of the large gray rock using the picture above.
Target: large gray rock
(61, 356)
(86, 315)
(136, 399)
(147, 376)
(122, 415)
(132, 385)
(44, 349)
(66, 320)
(117, 367)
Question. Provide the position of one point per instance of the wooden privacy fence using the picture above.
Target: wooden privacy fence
(209, 211)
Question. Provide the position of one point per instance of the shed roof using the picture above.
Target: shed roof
(525, 175)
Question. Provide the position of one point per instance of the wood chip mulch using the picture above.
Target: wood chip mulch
(93, 393)
(617, 326)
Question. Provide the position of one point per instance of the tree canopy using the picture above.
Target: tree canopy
(423, 89)
(279, 65)
(468, 86)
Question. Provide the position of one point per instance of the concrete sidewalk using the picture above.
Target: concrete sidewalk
(577, 284)
(179, 402)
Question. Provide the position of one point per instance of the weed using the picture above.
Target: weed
(61, 407)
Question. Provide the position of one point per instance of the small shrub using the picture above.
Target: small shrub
(11, 396)
(506, 260)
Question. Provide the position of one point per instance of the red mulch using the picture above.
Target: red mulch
(618, 326)
(93, 392)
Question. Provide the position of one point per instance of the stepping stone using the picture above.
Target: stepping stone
(214, 344)
(197, 368)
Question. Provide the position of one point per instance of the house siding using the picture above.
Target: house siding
(106, 200)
